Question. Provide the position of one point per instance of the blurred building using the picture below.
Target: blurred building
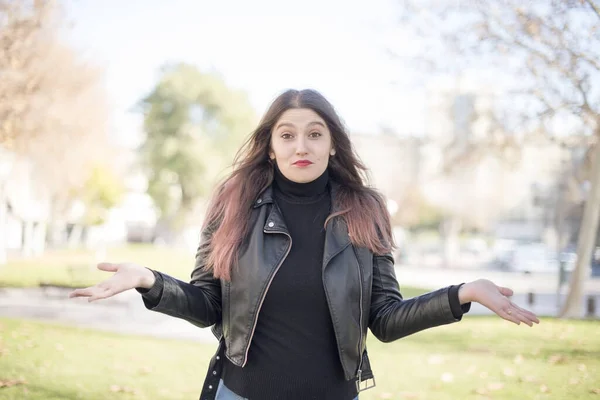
(394, 162)
(24, 207)
(461, 111)
(517, 200)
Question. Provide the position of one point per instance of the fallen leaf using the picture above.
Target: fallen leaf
(495, 386)
(12, 382)
(508, 371)
(530, 379)
(483, 375)
(581, 367)
(447, 377)
(435, 359)
(409, 395)
(544, 389)
(481, 391)
(145, 370)
(573, 381)
(518, 359)
(557, 359)
(595, 391)
(123, 389)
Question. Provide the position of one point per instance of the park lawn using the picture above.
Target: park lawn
(479, 358)
(77, 268)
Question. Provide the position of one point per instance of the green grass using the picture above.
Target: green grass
(77, 268)
(479, 358)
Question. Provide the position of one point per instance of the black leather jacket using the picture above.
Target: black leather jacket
(370, 298)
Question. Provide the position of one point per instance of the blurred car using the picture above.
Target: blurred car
(502, 252)
(533, 257)
(568, 257)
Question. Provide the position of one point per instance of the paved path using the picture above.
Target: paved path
(126, 313)
(123, 313)
(537, 292)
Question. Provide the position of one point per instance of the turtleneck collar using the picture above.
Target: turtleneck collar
(304, 190)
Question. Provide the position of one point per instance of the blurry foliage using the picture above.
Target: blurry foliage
(53, 110)
(194, 123)
(550, 50)
(415, 212)
(102, 190)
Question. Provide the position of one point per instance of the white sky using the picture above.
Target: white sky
(261, 46)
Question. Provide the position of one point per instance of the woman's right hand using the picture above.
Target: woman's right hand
(127, 276)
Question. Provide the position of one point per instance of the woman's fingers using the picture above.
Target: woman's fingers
(516, 314)
(522, 318)
(109, 267)
(509, 315)
(96, 292)
(86, 292)
(506, 291)
(101, 294)
(527, 314)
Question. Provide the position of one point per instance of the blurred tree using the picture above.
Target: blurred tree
(102, 191)
(53, 110)
(549, 51)
(415, 212)
(194, 123)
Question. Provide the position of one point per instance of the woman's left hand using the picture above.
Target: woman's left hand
(496, 298)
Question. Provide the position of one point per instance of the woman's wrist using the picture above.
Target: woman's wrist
(466, 293)
(148, 279)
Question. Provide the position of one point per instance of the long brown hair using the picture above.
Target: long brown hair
(362, 207)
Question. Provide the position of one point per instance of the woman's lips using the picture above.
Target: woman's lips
(302, 163)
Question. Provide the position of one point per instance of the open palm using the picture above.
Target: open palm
(126, 276)
(496, 298)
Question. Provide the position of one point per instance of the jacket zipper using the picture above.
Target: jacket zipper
(265, 294)
(359, 372)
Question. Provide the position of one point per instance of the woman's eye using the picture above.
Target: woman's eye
(315, 134)
(286, 136)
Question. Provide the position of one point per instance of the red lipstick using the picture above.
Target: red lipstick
(303, 163)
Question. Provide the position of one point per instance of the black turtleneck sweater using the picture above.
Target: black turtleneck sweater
(293, 354)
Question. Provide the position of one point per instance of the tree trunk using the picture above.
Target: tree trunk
(450, 230)
(585, 243)
(3, 229)
(75, 238)
(39, 238)
(28, 232)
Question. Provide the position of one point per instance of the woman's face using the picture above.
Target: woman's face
(301, 145)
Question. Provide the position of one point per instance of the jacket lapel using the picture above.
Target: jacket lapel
(336, 232)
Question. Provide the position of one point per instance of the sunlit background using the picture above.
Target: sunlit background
(479, 122)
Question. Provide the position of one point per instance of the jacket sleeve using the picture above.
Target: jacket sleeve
(391, 317)
(198, 302)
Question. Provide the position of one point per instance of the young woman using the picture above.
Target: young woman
(295, 264)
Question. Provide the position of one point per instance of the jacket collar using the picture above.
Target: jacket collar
(336, 233)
